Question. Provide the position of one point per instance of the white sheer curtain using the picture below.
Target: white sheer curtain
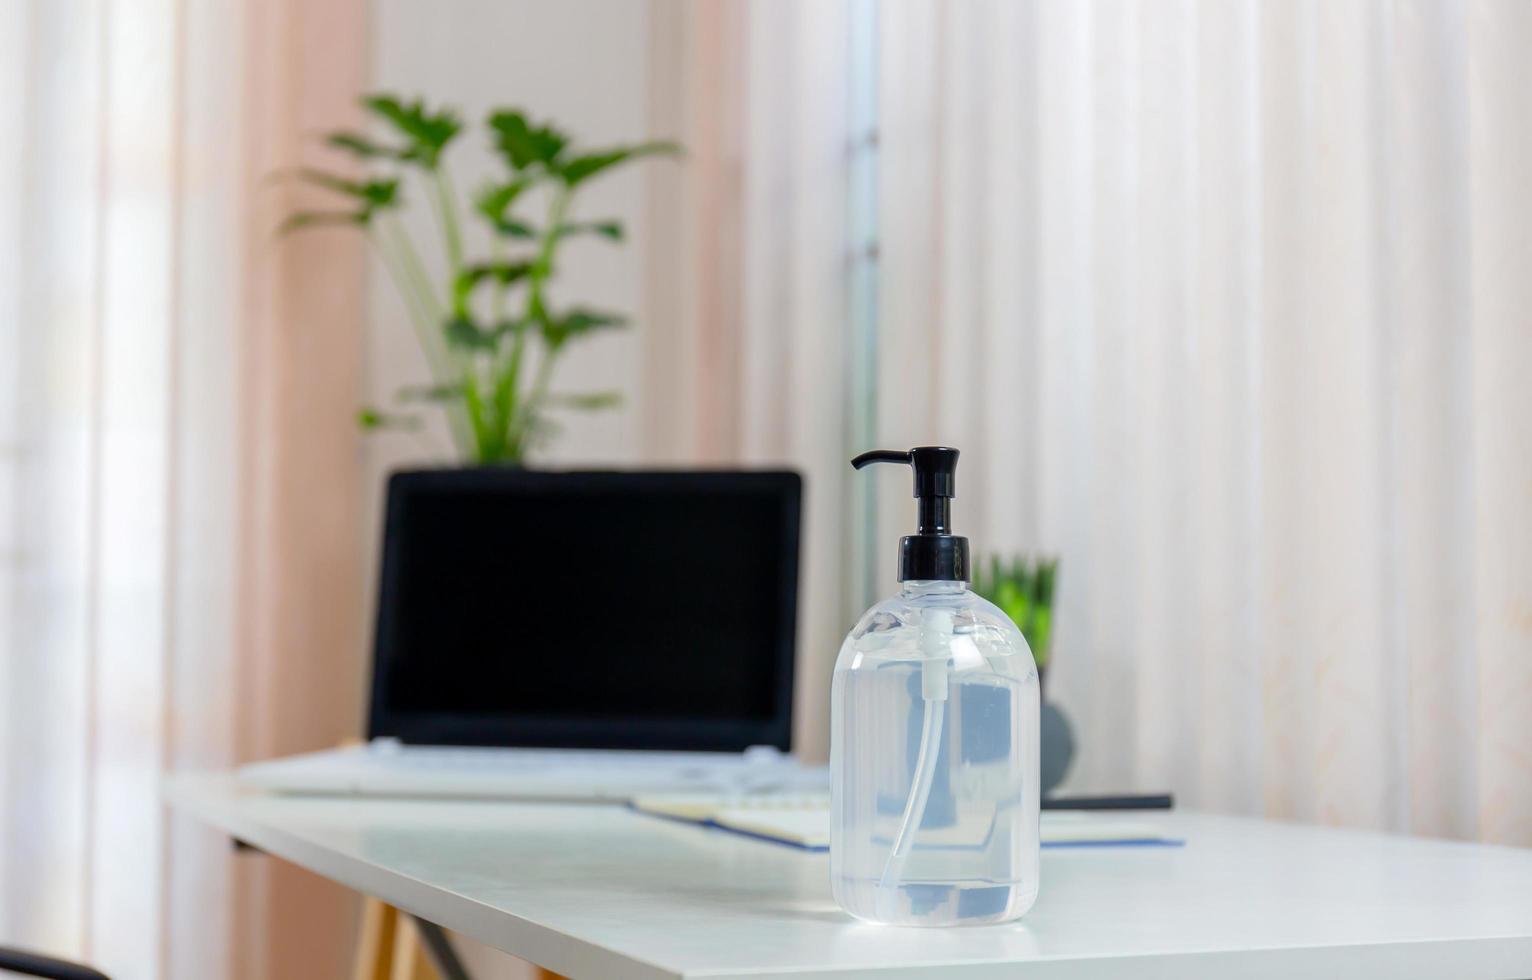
(116, 486)
(1228, 305)
(747, 359)
(164, 369)
(1225, 303)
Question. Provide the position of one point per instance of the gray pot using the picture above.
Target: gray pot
(1058, 747)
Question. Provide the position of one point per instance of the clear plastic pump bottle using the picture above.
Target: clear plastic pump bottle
(934, 738)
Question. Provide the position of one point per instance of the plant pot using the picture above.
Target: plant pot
(1057, 747)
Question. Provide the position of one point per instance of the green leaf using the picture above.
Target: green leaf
(429, 393)
(511, 228)
(505, 273)
(504, 400)
(1039, 637)
(463, 332)
(589, 402)
(360, 146)
(558, 330)
(486, 442)
(606, 229)
(428, 133)
(374, 195)
(523, 144)
(1047, 572)
(310, 219)
(1023, 588)
(1023, 576)
(493, 200)
(585, 166)
(541, 429)
(371, 418)
(1009, 597)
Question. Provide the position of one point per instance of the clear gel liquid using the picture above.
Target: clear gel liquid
(972, 856)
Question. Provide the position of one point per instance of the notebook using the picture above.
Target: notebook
(803, 821)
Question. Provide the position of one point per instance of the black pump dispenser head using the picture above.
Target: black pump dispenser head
(933, 552)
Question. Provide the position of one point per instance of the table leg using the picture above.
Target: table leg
(392, 945)
(443, 956)
(375, 941)
(409, 954)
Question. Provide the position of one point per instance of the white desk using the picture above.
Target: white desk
(601, 892)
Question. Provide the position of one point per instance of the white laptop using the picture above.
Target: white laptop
(577, 635)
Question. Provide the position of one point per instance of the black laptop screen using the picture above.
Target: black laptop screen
(614, 610)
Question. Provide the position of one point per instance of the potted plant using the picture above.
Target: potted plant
(490, 330)
(1023, 588)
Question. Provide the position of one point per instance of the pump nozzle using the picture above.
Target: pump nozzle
(932, 553)
(879, 456)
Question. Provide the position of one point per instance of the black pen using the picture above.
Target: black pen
(1143, 801)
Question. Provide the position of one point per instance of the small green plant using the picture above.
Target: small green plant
(1023, 589)
(478, 324)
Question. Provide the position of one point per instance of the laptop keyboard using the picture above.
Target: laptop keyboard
(429, 758)
(389, 768)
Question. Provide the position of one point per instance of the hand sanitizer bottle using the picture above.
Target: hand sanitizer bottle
(934, 737)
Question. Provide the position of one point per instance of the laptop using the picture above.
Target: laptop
(577, 635)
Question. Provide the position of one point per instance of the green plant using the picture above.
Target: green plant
(1023, 589)
(478, 324)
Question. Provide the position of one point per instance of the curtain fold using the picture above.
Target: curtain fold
(1216, 297)
(176, 386)
(1500, 409)
(1221, 302)
(750, 362)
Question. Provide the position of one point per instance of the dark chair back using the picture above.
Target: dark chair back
(35, 965)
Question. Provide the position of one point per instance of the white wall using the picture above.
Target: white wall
(582, 64)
